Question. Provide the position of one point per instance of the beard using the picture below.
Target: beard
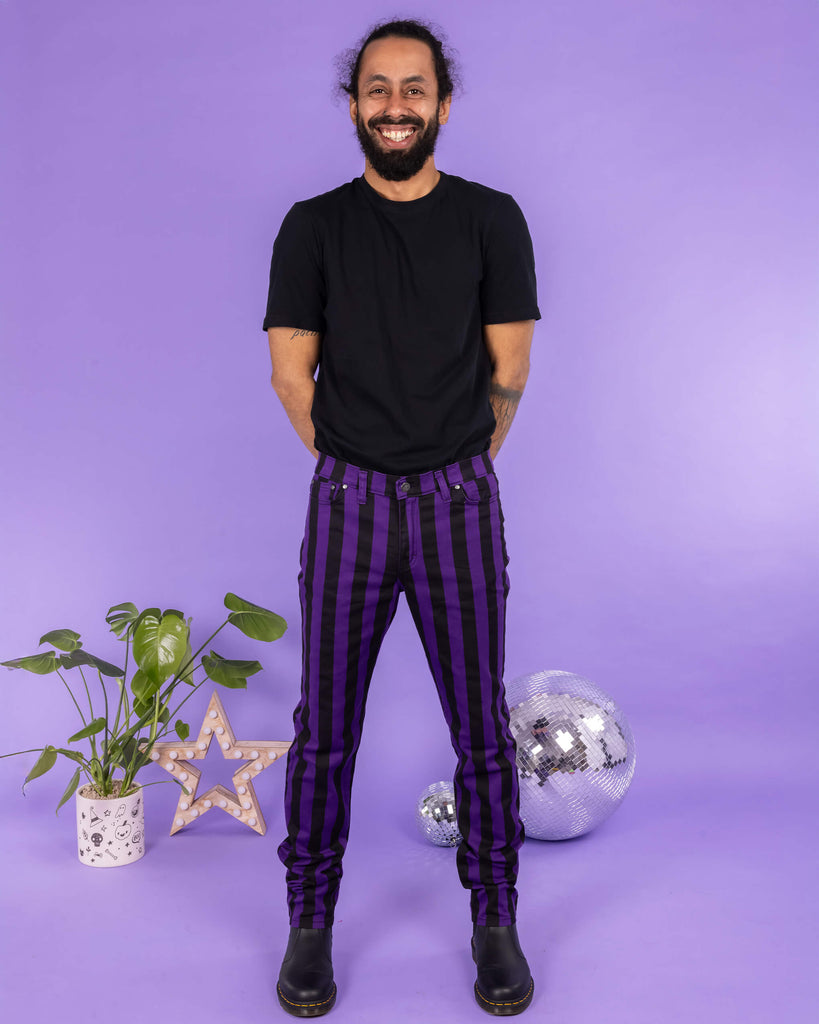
(398, 164)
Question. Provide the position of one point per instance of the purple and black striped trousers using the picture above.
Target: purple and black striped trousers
(438, 536)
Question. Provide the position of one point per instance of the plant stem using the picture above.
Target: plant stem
(188, 697)
(88, 774)
(106, 736)
(122, 689)
(87, 692)
(125, 682)
(71, 695)
(131, 770)
(91, 707)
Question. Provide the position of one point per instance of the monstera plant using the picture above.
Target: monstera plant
(160, 671)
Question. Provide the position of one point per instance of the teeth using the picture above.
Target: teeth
(398, 135)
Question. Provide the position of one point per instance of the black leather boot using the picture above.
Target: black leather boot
(504, 984)
(306, 987)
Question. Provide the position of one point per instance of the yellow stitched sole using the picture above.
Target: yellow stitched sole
(514, 1002)
(306, 1006)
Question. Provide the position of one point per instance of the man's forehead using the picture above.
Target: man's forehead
(394, 56)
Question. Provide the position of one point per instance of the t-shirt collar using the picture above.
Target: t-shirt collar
(408, 204)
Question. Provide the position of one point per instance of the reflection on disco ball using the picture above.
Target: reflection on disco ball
(435, 815)
(575, 753)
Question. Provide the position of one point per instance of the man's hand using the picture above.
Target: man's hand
(509, 346)
(294, 353)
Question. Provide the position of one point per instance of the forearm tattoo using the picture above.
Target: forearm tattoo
(298, 333)
(504, 402)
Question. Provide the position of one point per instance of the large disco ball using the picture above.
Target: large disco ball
(435, 814)
(575, 753)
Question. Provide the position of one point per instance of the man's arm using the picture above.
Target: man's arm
(509, 346)
(294, 354)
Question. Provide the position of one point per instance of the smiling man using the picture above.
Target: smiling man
(412, 292)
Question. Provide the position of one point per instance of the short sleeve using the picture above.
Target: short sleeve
(508, 286)
(296, 293)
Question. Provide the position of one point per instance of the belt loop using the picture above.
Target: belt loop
(362, 486)
(455, 474)
(443, 486)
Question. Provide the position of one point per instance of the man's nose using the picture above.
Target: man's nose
(396, 107)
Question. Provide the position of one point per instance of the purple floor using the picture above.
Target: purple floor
(695, 900)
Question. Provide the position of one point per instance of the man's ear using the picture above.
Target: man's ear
(443, 109)
(353, 110)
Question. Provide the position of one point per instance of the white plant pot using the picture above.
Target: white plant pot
(110, 831)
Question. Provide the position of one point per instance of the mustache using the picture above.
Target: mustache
(375, 122)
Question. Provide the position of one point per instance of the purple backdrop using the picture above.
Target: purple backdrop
(659, 485)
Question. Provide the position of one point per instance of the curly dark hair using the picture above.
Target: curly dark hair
(444, 58)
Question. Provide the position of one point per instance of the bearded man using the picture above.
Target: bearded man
(412, 292)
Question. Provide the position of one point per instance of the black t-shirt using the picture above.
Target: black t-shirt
(399, 292)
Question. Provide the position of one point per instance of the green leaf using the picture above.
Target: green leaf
(84, 658)
(256, 622)
(45, 762)
(132, 751)
(89, 730)
(153, 612)
(143, 688)
(72, 787)
(120, 616)
(143, 709)
(64, 639)
(232, 674)
(183, 730)
(41, 664)
(160, 645)
(73, 755)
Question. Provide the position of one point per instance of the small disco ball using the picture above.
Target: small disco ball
(435, 815)
(575, 753)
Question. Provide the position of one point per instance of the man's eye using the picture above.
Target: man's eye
(374, 91)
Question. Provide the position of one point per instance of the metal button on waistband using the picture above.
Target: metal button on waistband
(405, 486)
